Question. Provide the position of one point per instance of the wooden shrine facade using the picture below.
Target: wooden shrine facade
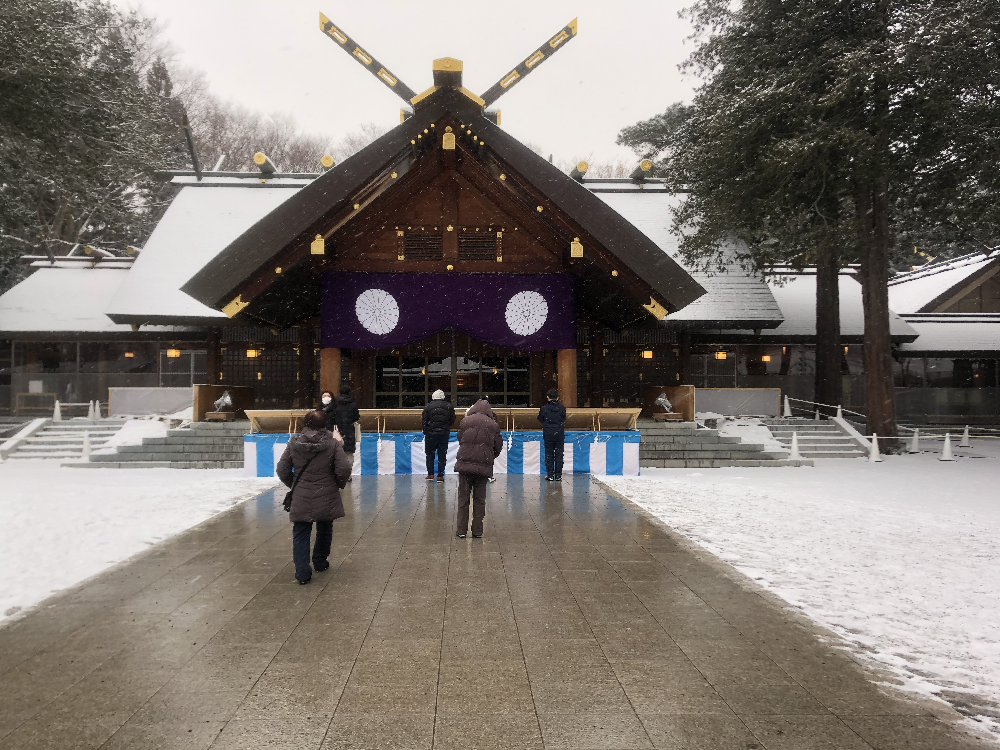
(450, 195)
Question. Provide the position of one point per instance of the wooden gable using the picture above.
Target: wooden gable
(447, 220)
(978, 295)
(389, 207)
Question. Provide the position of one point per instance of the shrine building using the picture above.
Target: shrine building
(448, 255)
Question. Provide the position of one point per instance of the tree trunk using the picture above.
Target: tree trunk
(829, 382)
(875, 241)
(873, 236)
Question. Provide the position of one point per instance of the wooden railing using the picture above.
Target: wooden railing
(408, 420)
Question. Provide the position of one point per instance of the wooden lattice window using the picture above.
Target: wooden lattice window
(481, 245)
(422, 246)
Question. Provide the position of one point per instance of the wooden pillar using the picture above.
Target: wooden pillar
(213, 357)
(566, 370)
(329, 370)
(684, 366)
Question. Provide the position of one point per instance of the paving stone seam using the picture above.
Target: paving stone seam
(354, 664)
(517, 630)
(444, 621)
(590, 626)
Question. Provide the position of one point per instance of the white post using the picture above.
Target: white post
(817, 415)
(86, 444)
(946, 450)
(57, 413)
(787, 411)
(794, 455)
(964, 442)
(840, 412)
(914, 442)
(874, 455)
(97, 409)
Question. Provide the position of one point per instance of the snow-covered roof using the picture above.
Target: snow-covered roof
(913, 291)
(733, 297)
(952, 333)
(201, 221)
(795, 294)
(59, 300)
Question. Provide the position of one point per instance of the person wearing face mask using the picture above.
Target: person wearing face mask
(342, 412)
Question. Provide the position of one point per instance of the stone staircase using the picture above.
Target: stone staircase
(683, 445)
(818, 438)
(9, 426)
(201, 445)
(64, 440)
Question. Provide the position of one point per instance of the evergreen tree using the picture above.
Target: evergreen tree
(82, 130)
(828, 132)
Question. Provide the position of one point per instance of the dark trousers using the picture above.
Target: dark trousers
(471, 486)
(554, 452)
(301, 533)
(436, 445)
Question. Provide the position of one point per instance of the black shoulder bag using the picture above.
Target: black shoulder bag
(295, 481)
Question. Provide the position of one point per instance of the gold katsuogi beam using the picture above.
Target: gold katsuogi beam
(533, 60)
(368, 61)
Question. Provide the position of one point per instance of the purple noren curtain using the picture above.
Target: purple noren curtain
(528, 312)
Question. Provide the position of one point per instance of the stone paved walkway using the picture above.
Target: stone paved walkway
(576, 623)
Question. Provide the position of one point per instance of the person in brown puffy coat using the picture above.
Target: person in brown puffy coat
(479, 443)
(316, 497)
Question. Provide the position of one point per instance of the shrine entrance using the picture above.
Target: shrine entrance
(452, 361)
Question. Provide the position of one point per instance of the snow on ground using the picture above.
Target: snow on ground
(132, 433)
(900, 558)
(59, 526)
(751, 430)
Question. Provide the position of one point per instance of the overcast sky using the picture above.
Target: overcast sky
(270, 55)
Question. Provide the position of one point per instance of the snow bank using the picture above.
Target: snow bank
(59, 526)
(132, 433)
(901, 559)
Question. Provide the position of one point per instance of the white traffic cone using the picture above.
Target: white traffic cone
(90, 411)
(874, 454)
(914, 442)
(840, 412)
(794, 455)
(787, 411)
(816, 417)
(57, 413)
(86, 444)
(946, 450)
(964, 442)
(97, 410)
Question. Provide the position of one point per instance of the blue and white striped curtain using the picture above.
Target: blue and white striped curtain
(603, 453)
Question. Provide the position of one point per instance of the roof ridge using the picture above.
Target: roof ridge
(933, 269)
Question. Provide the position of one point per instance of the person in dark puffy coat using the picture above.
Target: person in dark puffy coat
(479, 443)
(436, 421)
(316, 497)
(553, 419)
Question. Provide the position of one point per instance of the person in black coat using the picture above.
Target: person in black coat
(553, 419)
(436, 421)
(342, 412)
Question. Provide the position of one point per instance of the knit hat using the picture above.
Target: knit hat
(438, 395)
